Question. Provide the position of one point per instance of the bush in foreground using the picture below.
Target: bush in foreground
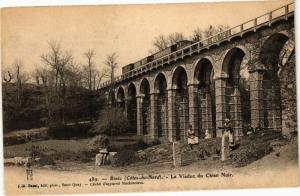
(63, 131)
(112, 121)
(97, 142)
(250, 153)
(125, 157)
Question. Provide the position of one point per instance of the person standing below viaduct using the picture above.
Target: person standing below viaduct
(192, 139)
(228, 130)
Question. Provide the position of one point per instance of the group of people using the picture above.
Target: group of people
(192, 139)
(227, 130)
(250, 130)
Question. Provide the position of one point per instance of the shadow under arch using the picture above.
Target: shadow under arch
(132, 107)
(205, 97)
(271, 87)
(160, 87)
(179, 84)
(237, 90)
(145, 110)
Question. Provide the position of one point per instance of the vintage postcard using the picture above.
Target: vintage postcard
(149, 97)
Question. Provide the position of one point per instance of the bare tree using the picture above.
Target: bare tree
(111, 63)
(160, 42)
(90, 67)
(43, 78)
(99, 76)
(19, 77)
(7, 78)
(58, 60)
(90, 72)
(197, 34)
(173, 38)
(214, 30)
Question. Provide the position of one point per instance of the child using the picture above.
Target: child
(29, 171)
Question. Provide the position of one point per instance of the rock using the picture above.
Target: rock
(98, 159)
(18, 161)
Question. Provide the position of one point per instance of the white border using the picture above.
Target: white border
(240, 192)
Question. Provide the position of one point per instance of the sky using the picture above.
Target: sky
(125, 29)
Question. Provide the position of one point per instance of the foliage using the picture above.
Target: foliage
(59, 95)
(44, 159)
(33, 112)
(161, 42)
(252, 152)
(112, 121)
(63, 131)
(155, 142)
(140, 144)
(13, 140)
(99, 141)
(198, 34)
(48, 158)
(83, 156)
(254, 147)
(125, 157)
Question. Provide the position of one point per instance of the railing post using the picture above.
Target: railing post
(270, 18)
(255, 24)
(242, 27)
(286, 8)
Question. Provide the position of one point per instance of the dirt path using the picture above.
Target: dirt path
(280, 168)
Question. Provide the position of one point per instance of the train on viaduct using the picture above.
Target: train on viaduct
(246, 74)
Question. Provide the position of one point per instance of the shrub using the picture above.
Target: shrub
(83, 156)
(63, 131)
(99, 141)
(46, 159)
(125, 157)
(13, 140)
(249, 153)
(112, 121)
(140, 144)
(155, 142)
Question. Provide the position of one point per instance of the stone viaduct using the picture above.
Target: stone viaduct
(246, 73)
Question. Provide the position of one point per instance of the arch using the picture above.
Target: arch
(145, 96)
(120, 93)
(270, 56)
(111, 98)
(198, 62)
(132, 106)
(270, 50)
(179, 78)
(179, 84)
(131, 90)
(235, 53)
(160, 87)
(237, 91)
(205, 97)
(121, 97)
(286, 52)
(144, 87)
(160, 83)
(203, 67)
